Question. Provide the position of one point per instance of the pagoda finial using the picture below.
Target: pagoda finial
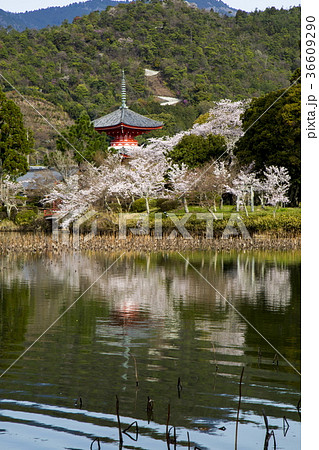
(123, 90)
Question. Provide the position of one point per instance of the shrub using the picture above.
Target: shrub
(139, 205)
(168, 205)
(115, 207)
(203, 118)
(25, 217)
(3, 214)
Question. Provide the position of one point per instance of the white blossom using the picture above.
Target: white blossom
(243, 187)
(9, 191)
(147, 177)
(181, 178)
(276, 185)
(143, 175)
(224, 119)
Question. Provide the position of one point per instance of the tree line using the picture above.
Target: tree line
(202, 57)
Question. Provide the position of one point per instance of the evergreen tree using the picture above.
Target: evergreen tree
(15, 140)
(195, 150)
(82, 139)
(272, 137)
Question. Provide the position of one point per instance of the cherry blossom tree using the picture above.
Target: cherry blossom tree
(181, 180)
(67, 195)
(224, 119)
(243, 187)
(146, 177)
(211, 183)
(141, 177)
(276, 185)
(113, 180)
(77, 194)
(9, 191)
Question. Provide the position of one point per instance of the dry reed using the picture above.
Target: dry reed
(43, 243)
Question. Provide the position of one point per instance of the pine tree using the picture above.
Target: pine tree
(82, 139)
(272, 133)
(16, 142)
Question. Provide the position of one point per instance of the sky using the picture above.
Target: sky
(246, 5)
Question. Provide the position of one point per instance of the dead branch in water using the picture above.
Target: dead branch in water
(135, 365)
(136, 431)
(239, 401)
(98, 443)
(118, 420)
(179, 387)
(269, 434)
(167, 423)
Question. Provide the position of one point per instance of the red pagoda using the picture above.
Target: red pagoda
(123, 125)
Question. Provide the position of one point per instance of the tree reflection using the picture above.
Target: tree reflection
(157, 308)
(158, 289)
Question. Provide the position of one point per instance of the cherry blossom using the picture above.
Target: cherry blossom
(224, 119)
(211, 183)
(243, 187)
(276, 185)
(147, 177)
(144, 175)
(181, 180)
(9, 191)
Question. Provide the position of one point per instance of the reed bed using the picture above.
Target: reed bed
(43, 243)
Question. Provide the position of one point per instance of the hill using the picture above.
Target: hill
(44, 134)
(201, 57)
(57, 14)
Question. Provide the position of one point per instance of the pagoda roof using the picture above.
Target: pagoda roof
(124, 116)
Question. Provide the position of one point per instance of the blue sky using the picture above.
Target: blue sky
(246, 5)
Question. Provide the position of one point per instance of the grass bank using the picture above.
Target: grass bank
(174, 224)
(285, 224)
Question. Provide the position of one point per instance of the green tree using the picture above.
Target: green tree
(272, 134)
(82, 139)
(195, 150)
(16, 142)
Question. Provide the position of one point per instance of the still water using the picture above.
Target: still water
(154, 319)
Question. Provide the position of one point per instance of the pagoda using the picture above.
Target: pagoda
(123, 125)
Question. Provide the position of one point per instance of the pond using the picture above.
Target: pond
(167, 335)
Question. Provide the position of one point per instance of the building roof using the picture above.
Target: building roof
(125, 116)
(39, 175)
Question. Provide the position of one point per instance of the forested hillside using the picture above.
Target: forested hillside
(202, 57)
(55, 15)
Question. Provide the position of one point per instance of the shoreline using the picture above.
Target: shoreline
(17, 242)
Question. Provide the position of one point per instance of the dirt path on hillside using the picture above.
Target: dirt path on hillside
(156, 85)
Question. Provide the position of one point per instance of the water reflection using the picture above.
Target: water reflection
(149, 279)
(156, 308)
